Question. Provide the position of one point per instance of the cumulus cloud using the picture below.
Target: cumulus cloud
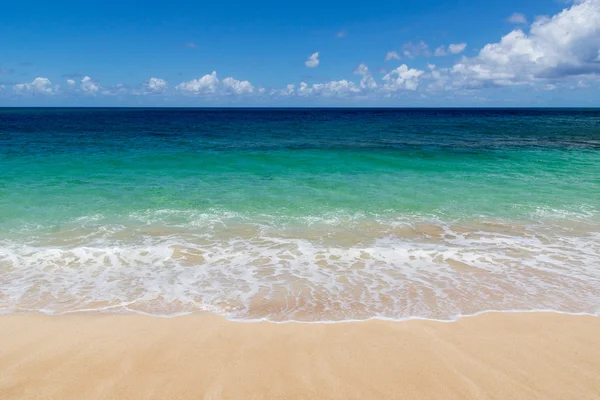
(44, 86)
(289, 90)
(155, 86)
(402, 78)
(564, 45)
(517, 18)
(457, 48)
(211, 85)
(367, 81)
(38, 86)
(237, 87)
(206, 85)
(88, 86)
(313, 60)
(341, 88)
(392, 55)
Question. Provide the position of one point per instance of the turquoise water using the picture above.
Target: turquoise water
(299, 214)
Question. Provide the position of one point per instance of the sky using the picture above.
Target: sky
(427, 53)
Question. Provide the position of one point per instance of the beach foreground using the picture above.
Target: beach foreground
(490, 356)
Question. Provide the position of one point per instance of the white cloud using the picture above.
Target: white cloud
(88, 86)
(338, 89)
(402, 78)
(237, 87)
(440, 51)
(412, 50)
(437, 77)
(206, 85)
(564, 45)
(313, 60)
(289, 90)
(70, 82)
(517, 18)
(304, 89)
(341, 88)
(367, 81)
(457, 48)
(210, 84)
(156, 85)
(392, 55)
(452, 49)
(38, 86)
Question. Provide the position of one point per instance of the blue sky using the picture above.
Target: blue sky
(325, 53)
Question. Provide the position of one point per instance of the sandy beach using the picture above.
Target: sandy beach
(490, 356)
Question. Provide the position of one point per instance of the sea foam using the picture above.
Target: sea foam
(320, 271)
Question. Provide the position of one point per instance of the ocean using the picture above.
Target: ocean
(299, 214)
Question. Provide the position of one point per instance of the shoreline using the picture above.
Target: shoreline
(136, 313)
(494, 355)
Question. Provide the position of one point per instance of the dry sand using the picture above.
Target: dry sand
(491, 356)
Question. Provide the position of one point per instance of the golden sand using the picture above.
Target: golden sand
(491, 356)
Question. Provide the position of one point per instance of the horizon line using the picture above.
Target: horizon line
(315, 107)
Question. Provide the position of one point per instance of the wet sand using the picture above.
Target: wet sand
(491, 356)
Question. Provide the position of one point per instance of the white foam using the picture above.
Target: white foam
(258, 271)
